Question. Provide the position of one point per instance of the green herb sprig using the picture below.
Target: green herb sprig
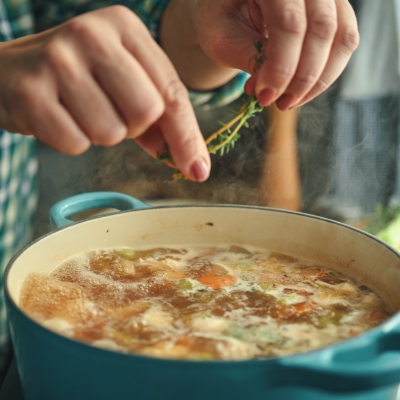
(224, 139)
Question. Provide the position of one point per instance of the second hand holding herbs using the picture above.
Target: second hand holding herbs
(228, 134)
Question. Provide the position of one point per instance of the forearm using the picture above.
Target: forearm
(179, 40)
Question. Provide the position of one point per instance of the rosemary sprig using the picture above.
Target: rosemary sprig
(228, 134)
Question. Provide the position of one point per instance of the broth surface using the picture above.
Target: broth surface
(201, 303)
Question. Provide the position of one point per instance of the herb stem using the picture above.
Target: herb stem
(225, 135)
(214, 149)
(226, 126)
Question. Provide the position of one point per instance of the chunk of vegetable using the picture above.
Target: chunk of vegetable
(218, 281)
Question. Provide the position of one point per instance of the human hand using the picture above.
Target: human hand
(307, 43)
(100, 78)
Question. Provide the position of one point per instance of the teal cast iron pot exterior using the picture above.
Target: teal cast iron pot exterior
(53, 367)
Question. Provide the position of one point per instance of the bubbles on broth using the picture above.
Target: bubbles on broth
(201, 303)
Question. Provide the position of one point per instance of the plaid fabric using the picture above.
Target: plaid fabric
(18, 167)
(18, 163)
(18, 195)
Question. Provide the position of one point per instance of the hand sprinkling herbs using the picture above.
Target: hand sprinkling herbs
(224, 139)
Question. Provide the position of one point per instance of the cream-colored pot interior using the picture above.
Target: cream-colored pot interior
(325, 242)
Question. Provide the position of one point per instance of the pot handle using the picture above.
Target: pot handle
(60, 212)
(359, 364)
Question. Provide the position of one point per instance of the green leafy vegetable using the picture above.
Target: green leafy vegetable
(127, 253)
(185, 285)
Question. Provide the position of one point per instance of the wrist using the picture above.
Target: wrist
(179, 39)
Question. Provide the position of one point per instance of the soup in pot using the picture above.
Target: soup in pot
(201, 303)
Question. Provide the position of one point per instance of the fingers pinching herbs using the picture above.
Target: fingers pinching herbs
(182, 133)
(102, 78)
(286, 23)
(178, 122)
(320, 33)
(344, 44)
(309, 44)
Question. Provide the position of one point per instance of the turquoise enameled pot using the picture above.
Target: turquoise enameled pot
(53, 367)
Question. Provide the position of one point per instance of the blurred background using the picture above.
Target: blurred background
(263, 168)
(337, 156)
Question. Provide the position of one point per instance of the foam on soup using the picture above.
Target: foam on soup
(225, 303)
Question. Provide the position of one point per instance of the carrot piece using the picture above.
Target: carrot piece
(218, 281)
(183, 341)
(353, 333)
(377, 316)
(294, 310)
(320, 275)
(301, 308)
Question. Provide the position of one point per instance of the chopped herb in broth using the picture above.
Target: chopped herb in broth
(201, 303)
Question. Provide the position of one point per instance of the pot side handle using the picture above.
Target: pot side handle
(60, 211)
(359, 364)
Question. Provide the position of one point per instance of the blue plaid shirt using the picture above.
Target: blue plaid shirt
(18, 162)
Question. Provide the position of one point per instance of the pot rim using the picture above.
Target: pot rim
(394, 320)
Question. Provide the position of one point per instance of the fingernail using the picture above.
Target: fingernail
(199, 170)
(297, 104)
(286, 101)
(266, 97)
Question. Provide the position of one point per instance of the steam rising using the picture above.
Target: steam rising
(235, 176)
